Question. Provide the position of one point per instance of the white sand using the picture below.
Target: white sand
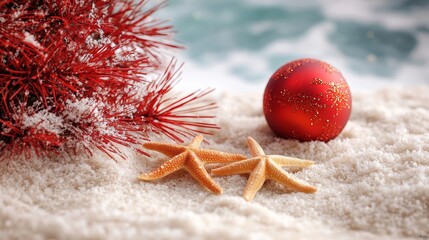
(373, 183)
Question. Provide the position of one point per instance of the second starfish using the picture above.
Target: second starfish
(262, 167)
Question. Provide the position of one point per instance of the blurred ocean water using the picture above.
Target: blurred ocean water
(238, 44)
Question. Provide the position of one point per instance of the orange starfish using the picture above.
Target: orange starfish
(262, 167)
(190, 158)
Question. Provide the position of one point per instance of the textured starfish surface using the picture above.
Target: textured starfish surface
(262, 167)
(190, 158)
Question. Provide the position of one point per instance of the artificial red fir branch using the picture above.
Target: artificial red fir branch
(78, 75)
(172, 115)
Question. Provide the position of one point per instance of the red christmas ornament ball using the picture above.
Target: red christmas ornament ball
(307, 100)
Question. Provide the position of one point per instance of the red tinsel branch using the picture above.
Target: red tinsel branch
(76, 75)
(171, 115)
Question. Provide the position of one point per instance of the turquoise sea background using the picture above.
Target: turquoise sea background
(238, 44)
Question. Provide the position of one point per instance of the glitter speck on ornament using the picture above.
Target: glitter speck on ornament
(307, 100)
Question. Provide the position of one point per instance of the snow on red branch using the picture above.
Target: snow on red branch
(78, 76)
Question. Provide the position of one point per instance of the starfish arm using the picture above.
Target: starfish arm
(196, 142)
(277, 174)
(254, 147)
(255, 181)
(245, 166)
(167, 149)
(166, 168)
(196, 168)
(289, 161)
(212, 156)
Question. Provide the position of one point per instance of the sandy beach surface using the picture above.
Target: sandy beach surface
(372, 180)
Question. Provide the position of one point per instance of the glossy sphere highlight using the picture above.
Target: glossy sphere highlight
(307, 100)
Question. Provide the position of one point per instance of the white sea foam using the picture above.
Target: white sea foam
(315, 43)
